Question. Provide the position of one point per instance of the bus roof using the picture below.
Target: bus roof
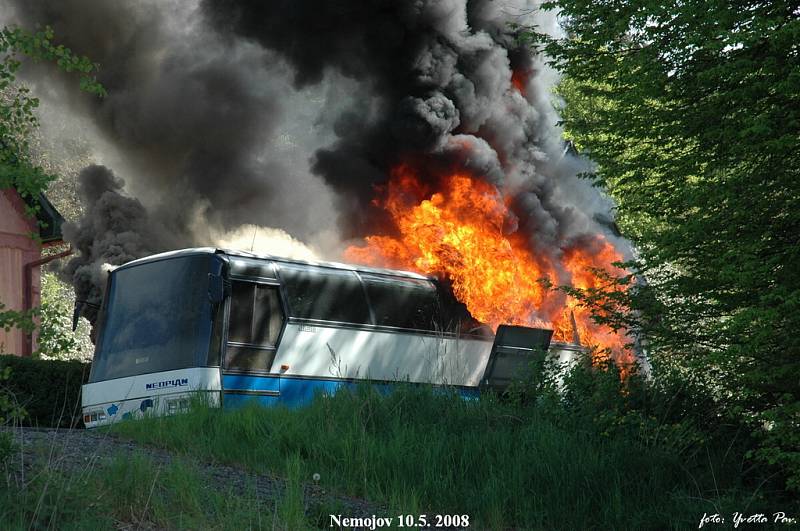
(334, 265)
(245, 254)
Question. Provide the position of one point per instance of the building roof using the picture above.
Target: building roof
(48, 218)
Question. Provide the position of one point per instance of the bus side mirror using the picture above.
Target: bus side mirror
(216, 288)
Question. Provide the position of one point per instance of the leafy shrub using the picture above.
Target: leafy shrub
(16, 319)
(674, 414)
(48, 390)
(55, 337)
(9, 412)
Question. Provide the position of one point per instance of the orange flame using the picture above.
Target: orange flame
(519, 80)
(459, 232)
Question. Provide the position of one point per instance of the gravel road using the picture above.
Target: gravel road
(83, 450)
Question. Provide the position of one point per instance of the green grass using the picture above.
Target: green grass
(417, 452)
(135, 492)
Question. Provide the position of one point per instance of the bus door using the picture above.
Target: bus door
(255, 323)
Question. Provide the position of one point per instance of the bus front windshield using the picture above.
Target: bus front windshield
(157, 318)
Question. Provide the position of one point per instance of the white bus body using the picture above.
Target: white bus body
(240, 327)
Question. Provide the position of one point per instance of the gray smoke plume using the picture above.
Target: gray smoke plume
(191, 122)
(439, 74)
(118, 230)
(199, 94)
(191, 118)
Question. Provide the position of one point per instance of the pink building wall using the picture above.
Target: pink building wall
(17, 248)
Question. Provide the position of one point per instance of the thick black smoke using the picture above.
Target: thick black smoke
(425, 80)
(118, 230)
(194, 104)
(438, 76)
(184, 106)
(191, 114)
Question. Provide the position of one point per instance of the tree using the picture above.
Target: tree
(691, 110)
(55, 337)
(17, 106)
(18, 168)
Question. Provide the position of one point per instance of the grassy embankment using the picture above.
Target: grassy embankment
(588, 458)
(539, 464)
(134, 491)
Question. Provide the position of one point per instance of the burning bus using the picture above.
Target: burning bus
(239, 327)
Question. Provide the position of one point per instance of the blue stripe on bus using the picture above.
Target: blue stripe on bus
(233, 401)
(251, 383)
(301, 391)
(295, 391)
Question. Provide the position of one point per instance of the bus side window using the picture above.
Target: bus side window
(254, 324)
(325, 294)
(403, 303)
(267, 315)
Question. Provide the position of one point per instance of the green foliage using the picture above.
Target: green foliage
(24, 320)
(10, 413)
(7, 447)
(54, 334)
(17, 122)
(17, 118)
(47, 390)
(691, 111)
(292, 508)
(55, 337)
(10, 410)
(127, 492)
(507, 466)
(539, 383)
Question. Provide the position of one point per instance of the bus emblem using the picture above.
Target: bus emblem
(177, 382)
